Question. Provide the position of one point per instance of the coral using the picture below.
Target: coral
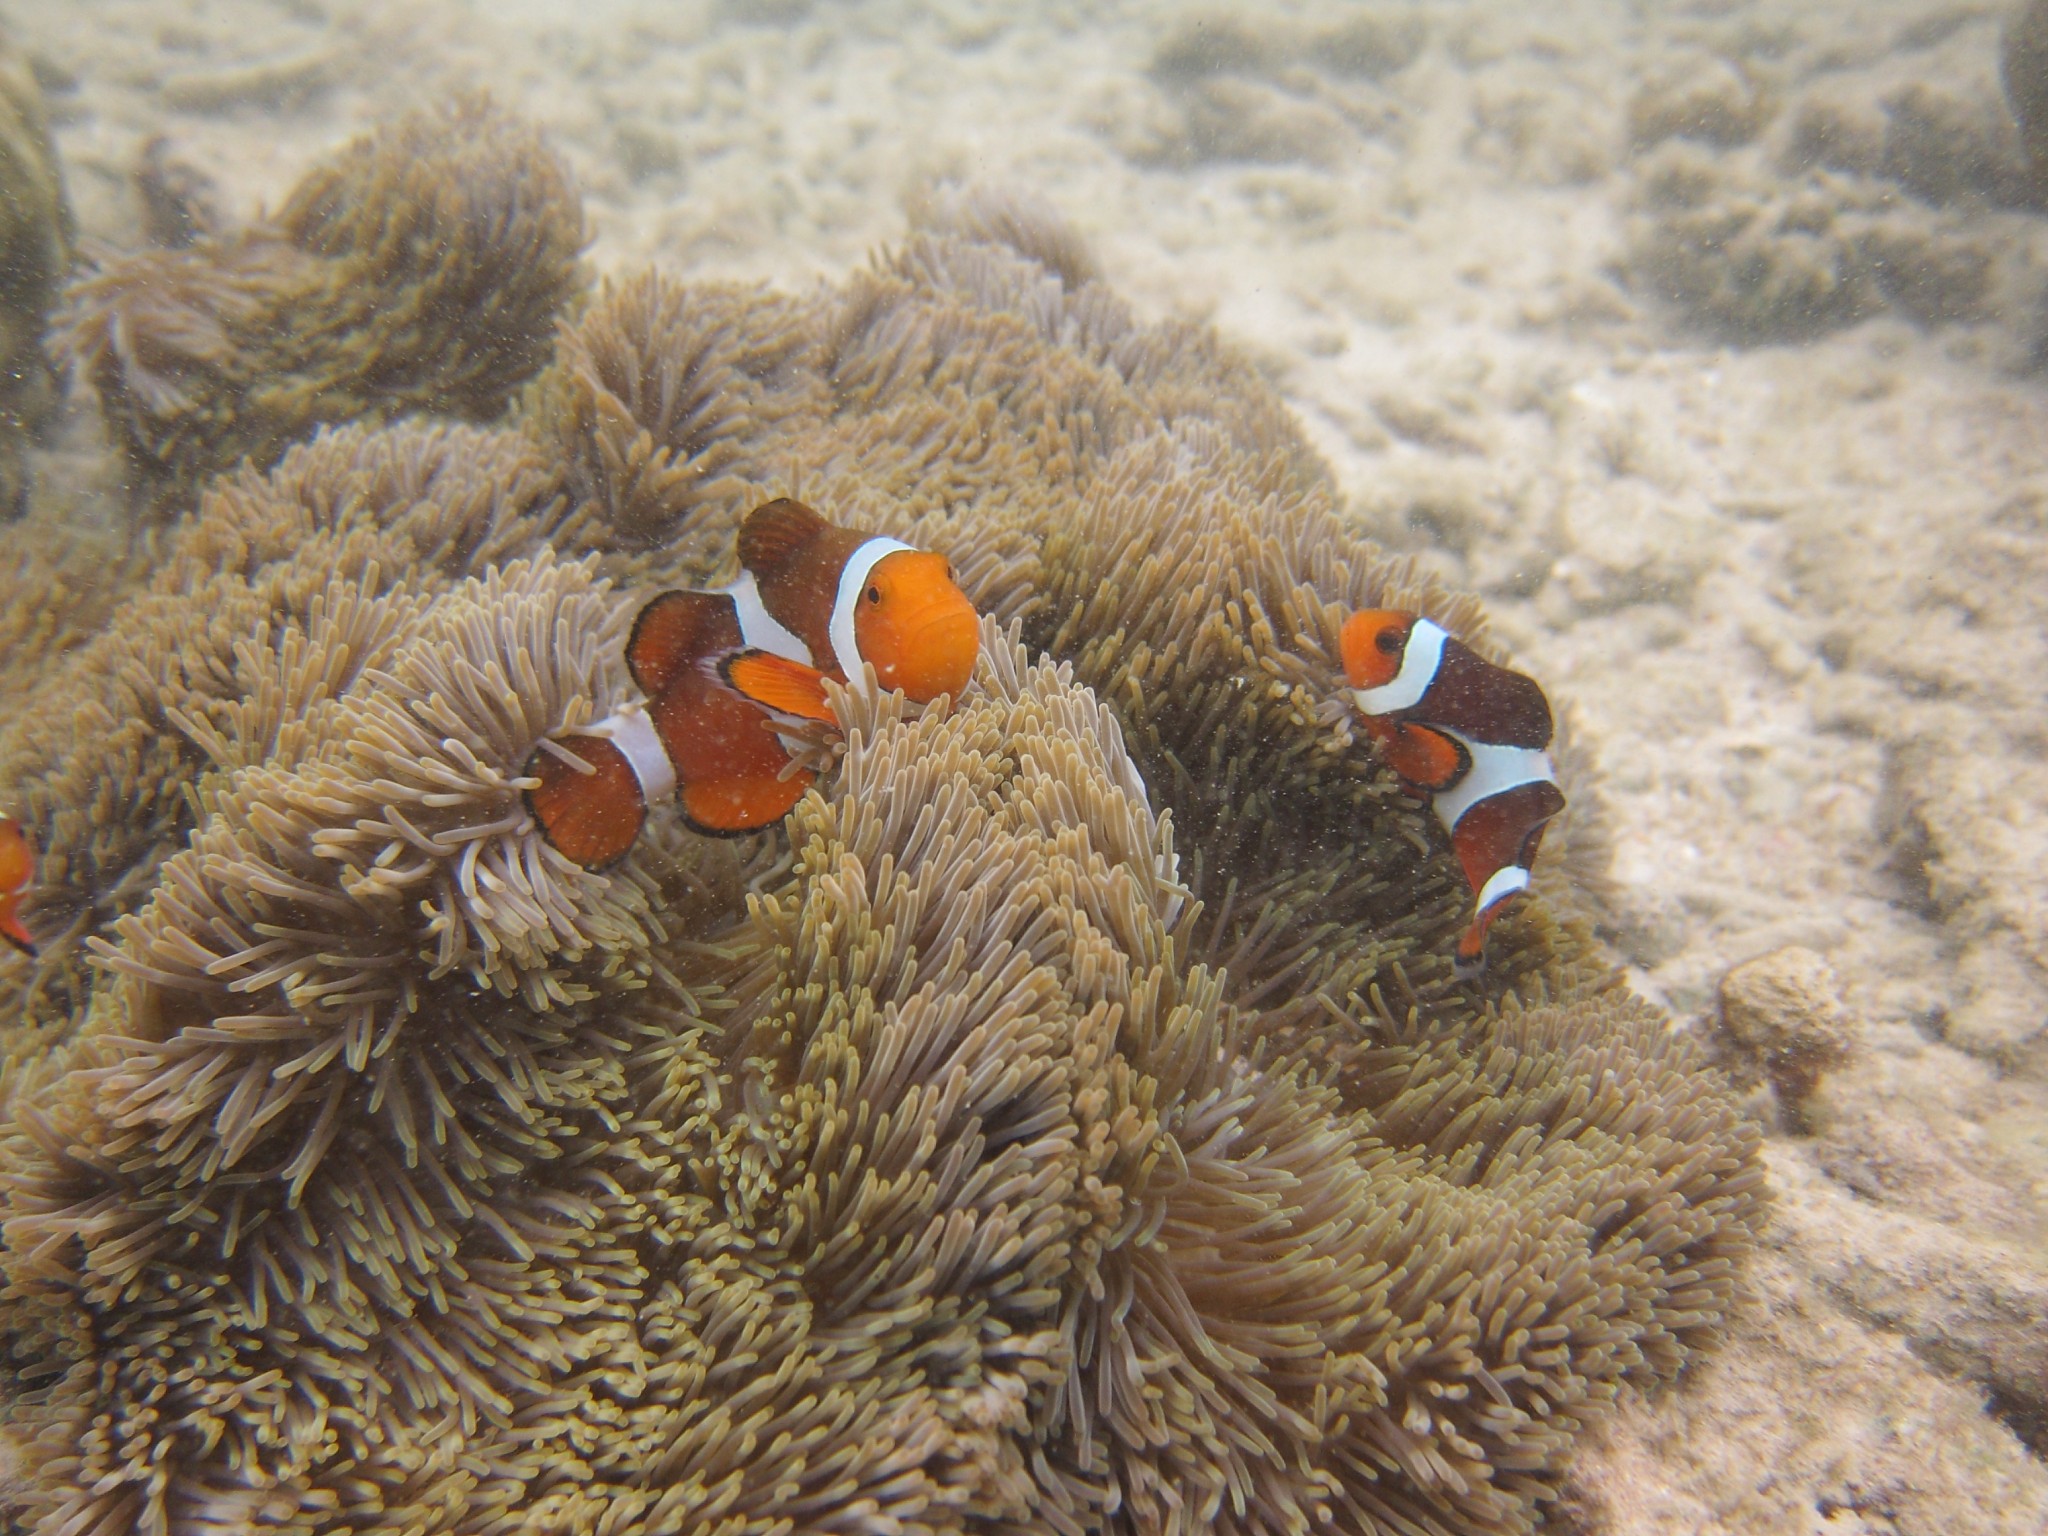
(1705, 98)
(1371, 44)
(1258, 87)
(1069, 1120)
(1752, 262)
(1935, 275)
(421, 270)
(1835, 131)
(1366, 46)
(1864, 194)
(35, 249)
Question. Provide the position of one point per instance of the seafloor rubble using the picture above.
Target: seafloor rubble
(1069, 1121)
(1776, 203)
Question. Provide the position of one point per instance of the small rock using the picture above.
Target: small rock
(1836, 132)
(647, 153)
(1934, 277)
(1783, 1011)
(1237, 119)
(1369, 46)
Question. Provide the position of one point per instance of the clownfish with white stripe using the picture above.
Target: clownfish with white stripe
(722, 670)
(1473, 736)
(17, 869)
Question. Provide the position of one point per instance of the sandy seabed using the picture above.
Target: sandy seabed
(1769, 514)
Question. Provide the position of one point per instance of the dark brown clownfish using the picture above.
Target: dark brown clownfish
(722, 669)
(1474, 736)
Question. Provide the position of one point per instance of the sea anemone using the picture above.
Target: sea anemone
(1067, 1120)
(420, 271)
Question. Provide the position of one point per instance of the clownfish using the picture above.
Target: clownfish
(722, 669)
(17, 868)
(1474, 736)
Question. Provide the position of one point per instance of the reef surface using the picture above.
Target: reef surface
(1771, 529)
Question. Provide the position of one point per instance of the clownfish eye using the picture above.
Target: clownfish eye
(874, 594)
(1389, 641)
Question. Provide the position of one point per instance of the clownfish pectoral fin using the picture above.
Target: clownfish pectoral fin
(777, 684)
(674, 630)
(591, 808)
(727, 807)
(13, 931)
(1425, 758)
(775, 533)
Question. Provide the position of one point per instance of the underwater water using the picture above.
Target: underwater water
(1071, 1116)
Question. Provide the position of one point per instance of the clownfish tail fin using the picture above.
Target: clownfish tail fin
(1501, 891)
(775, 532)
(588, 800)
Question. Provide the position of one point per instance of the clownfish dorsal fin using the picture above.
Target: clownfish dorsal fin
(777, 683)
(674, 630)
(775, 534)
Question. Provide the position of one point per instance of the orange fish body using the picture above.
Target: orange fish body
(722, 669)
(1473, 736)
(17, 869)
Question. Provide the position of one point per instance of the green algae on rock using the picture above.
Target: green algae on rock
(419, 271)
(1068, 1121)
(35, 249)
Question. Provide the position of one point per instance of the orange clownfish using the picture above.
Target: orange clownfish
(722, 669)
(17, 868)
(1475, 737)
